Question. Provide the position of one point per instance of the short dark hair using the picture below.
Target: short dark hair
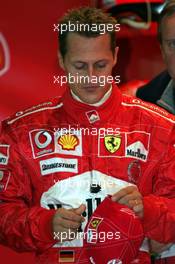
(167, 11)
(86, 16)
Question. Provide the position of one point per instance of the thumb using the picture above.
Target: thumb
(80, 209)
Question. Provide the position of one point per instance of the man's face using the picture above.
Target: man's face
(89, 57)
(168, 43)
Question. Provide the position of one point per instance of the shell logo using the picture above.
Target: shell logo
(4, 55)
(68, 141)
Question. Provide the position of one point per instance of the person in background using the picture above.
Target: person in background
(161, 90)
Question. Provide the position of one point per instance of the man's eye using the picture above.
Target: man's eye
(171, 44)
(101, 65)
(79, 66)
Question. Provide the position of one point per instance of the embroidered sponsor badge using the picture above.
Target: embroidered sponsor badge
(95, 222)
(45, 142)
(92, 234)
(66, 256)
(68, 141)
(92, 116)
(4, 154)
(42, 142)
(132, 144)
(137, 145)
(58, 164)
(112, 143)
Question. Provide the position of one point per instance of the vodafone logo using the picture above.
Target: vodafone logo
(42, 139)
(42, 142)
(4, 55)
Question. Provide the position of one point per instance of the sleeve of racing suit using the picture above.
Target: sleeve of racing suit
(159, 207)
(23, 227)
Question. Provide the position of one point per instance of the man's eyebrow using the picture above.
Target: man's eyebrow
(103, 60)
(78, 61)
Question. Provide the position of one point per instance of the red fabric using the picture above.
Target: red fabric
(123, 234)
(145, 157)
(130, 88)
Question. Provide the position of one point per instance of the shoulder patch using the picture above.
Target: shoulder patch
(35, 109)
(135, 102)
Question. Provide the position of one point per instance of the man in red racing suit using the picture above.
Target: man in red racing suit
(60, 159)
(47, 151)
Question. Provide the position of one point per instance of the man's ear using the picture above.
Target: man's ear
(115, 55)
(60, 59)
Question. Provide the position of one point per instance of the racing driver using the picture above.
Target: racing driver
(60, 159)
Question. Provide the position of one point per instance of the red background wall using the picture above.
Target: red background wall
(28, 29)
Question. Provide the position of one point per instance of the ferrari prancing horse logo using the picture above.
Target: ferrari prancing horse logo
(112, 143)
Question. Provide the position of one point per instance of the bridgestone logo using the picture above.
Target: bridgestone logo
(58, 165)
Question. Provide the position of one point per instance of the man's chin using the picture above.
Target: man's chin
(91, 99)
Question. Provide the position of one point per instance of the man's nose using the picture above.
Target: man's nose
(90, 71)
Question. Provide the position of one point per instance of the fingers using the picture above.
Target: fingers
(72, 214)
(135, 203)
(122, 195)
(131, 197)
(69, 224)
(139, 210)
(73, 218)
(66, 222)
(80, 209)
